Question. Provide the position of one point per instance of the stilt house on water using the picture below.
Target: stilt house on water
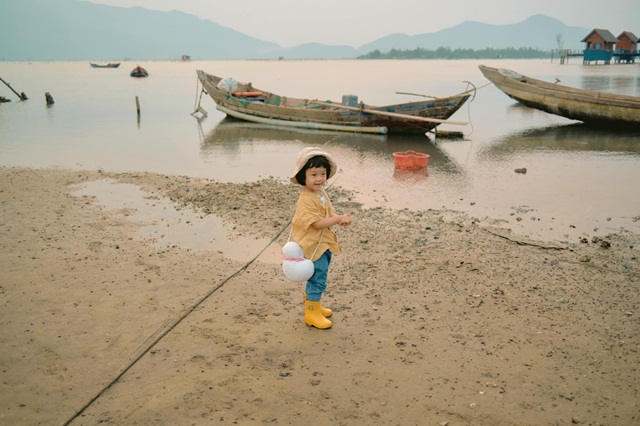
(626, 47)
(600, 46)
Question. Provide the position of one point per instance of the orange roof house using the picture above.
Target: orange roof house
(600, 45)
(626, 47)
(627, 42)
(599, 39)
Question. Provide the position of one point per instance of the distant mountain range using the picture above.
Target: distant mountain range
(52, 30)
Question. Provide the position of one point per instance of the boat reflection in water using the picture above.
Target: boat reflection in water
(567, 138)
(231, 135)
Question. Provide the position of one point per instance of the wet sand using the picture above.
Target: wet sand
(438, 318)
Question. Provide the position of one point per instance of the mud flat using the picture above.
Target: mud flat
(438, 318)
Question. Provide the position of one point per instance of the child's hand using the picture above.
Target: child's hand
(345, 220)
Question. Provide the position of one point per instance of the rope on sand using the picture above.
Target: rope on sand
(525, 243)
(173, 325)
(185, 313)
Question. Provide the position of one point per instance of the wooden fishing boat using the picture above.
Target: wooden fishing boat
(599, 108)
(139, 72)
(109, 65)
(243, 101)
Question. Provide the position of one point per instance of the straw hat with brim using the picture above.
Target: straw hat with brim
(307, 154)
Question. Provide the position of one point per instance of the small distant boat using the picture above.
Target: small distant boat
(604, 109)
(139, 72)
(109, 65)
(245, 102)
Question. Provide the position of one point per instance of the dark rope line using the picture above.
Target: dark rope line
(185, 314)
(155, 341)
(525, 243)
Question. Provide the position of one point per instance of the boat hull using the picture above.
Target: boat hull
(110, 65)
(264, 107)
(139, 72)
(596, 108)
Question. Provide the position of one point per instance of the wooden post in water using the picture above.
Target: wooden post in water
(21, 96)
(138, 110)
(138, 106)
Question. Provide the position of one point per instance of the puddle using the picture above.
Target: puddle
(169, 227)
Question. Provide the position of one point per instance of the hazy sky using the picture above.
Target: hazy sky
(356, 22)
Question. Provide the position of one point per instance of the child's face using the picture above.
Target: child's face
(315, 177)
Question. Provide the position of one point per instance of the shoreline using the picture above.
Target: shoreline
(438, 319)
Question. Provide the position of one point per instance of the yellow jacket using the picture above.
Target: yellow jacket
(310, 209)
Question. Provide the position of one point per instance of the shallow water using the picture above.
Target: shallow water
(168, 226)
(578, 180)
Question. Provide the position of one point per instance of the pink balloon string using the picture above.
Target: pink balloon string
(292, 259)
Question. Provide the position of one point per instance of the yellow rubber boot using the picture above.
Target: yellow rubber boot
(313, 317)
(326, 312)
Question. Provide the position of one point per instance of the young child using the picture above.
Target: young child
(311, 228)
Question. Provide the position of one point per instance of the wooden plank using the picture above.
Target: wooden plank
(391, 114)
(22, 96)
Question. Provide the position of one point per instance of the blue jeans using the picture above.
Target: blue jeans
(318, 281)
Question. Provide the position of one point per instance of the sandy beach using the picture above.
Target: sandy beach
(439, 318)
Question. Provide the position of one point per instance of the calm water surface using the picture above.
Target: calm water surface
(578, 179)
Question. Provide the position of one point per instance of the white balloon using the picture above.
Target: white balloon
(293, 250)
(298, 270)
